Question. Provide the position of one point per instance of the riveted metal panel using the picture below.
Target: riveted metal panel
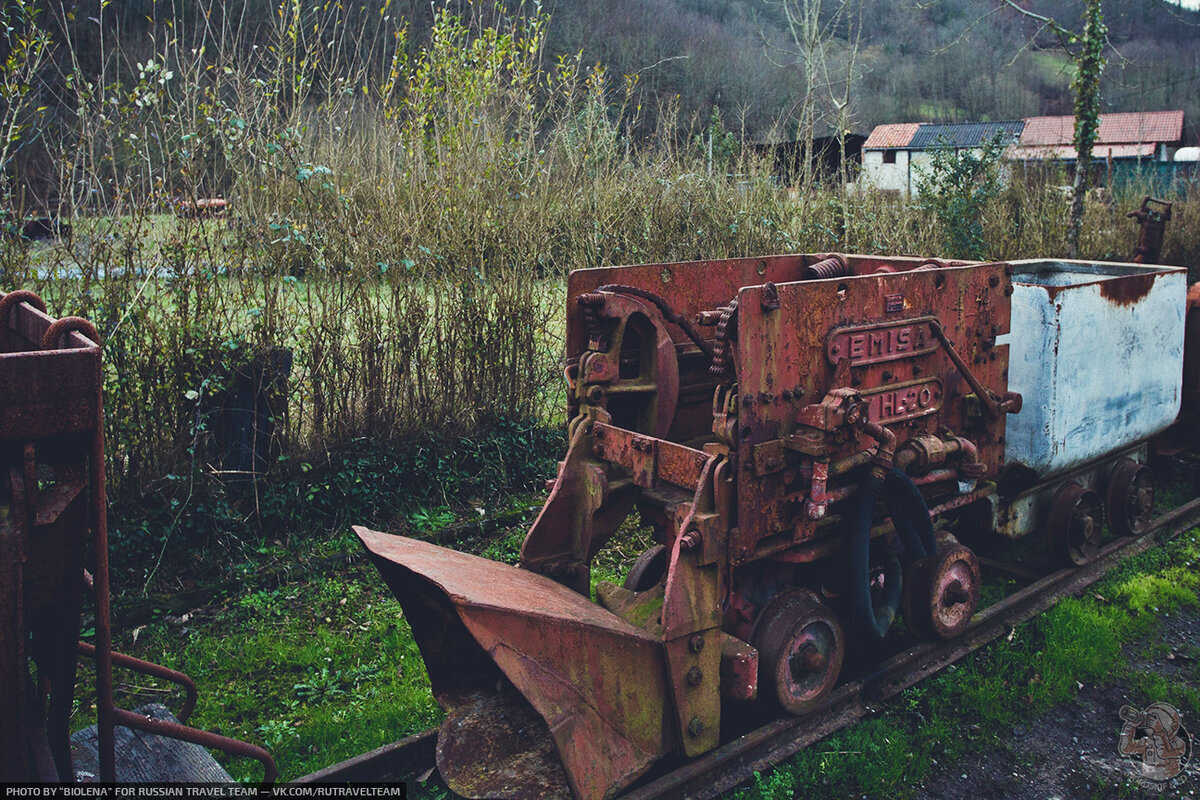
(789, 358)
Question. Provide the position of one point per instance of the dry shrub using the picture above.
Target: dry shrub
(401, 223)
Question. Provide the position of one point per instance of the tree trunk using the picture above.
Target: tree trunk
(1089, 64)
(1079, 192)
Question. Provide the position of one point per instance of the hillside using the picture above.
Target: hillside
(915, 60)
(945, 60)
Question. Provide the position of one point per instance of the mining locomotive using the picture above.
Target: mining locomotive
(816, 440)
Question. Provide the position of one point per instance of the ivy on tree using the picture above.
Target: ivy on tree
(1086, 49)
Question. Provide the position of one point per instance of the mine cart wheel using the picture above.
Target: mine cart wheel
(647, 569)
(1130, 498)
(800, 650)
(941, 592)
(1074, 524)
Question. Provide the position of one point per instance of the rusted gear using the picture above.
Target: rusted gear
(590, 303)
(1074, 524)
(941, 592)
(669, 314)
(1130, 501)
(800, 648)
(722, 363)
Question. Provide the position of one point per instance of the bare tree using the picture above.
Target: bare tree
(825, 36)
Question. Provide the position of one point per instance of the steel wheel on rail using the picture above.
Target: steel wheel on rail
(800, 651)
(941, 593)
(1074, 524)
(1130, 498)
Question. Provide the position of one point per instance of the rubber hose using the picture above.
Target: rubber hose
(914, 548)
(905, 501)
(865, 617)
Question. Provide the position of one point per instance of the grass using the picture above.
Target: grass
(314, 670)
(310, 656)
(974, 704)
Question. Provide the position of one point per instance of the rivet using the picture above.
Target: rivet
(695, 727)
(695, 676)
(696, 643)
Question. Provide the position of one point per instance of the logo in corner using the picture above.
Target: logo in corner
(1156, 745)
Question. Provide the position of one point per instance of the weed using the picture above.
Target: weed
(428, 520)
(957, 189)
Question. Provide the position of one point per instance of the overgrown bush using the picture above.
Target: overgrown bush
(400, 223)
(957, 189)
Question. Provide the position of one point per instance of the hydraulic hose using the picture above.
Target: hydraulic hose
(865, 616)
(910, 514)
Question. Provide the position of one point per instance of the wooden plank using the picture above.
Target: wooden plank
(146, 757)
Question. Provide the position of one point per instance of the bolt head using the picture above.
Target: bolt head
(696, 643)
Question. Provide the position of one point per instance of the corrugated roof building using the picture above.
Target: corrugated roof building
(895, 155)
(964, 135)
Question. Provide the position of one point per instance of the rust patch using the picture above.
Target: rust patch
(1127, 290)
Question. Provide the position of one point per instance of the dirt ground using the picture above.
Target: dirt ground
(1071, 752)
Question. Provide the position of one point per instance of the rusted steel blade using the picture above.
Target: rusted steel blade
(597, 682)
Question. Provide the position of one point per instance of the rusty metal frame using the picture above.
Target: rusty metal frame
(52, 446)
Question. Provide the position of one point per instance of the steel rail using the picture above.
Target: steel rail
(736, 761)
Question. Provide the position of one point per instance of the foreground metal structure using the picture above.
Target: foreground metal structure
(54, 546)
(816, 440)
(819, 443)
(741, 756)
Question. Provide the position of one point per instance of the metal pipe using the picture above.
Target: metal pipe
(885, 452)
(989, 403)
(203, 738)
(155, 670)
(844, 465)
(968, 464)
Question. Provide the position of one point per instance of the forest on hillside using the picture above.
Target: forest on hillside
(904, 60)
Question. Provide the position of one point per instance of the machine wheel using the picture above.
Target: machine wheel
(1074, 524)
(647, 570)
(1130, 497)
(800, 650)
(941, 592)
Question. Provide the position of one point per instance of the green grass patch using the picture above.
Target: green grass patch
(975, 703)
(316, 671)
(1056, 67)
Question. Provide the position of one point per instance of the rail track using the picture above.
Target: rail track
(766, 745)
